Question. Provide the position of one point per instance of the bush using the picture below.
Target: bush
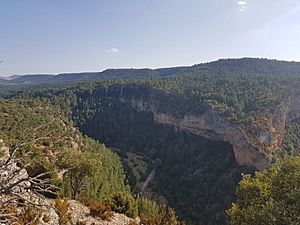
(164, 216)
(46, 218)
(124, 203)
(101, 210)
(133, 223)
(271, 197)
(98, 209)
(61, 207)
(147, 207)
(30, 216)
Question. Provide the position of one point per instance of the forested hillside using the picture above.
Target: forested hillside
(250, 66)
(46, 145)
(50, 143)
(202, 125)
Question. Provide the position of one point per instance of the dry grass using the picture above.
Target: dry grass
(62, 207)
(98, 209)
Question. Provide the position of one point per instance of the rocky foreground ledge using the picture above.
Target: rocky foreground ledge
(18, 199)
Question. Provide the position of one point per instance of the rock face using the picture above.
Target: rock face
(252, 147)
(80, 213)
(15, 187)
(212, 126)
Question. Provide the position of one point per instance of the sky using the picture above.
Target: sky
(56, 36)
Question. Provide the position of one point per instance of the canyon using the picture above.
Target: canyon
(252, 146)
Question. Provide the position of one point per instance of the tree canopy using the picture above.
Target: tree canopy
(271, 197)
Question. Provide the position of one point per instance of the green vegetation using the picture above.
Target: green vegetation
(193, 169)
(78, 165)
(197, 176)
(271, 197)
(137, 166)
(240, 89)
(49, 143)
(246, 92)
(152, 213)
(291, 141)
(92, 174)
(124, 203)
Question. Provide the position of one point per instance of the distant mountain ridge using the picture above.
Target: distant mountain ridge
(222, 66)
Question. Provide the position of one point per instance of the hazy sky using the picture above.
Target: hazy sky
(53, 36)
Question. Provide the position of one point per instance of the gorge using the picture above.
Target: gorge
(200, 127)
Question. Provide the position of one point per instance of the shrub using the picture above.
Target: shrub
(98, 209)
(61, 207)
(133, 222)
(270, 197)
(30, 216)
(124, 203)
(46, 218)
(101, 210)
(164, 216)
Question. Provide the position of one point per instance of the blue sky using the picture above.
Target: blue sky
(54, 36)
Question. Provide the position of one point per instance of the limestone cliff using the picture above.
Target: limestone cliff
(253, 144)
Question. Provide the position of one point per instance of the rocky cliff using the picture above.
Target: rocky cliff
(253, 144)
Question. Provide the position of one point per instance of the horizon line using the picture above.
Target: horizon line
(150, 68)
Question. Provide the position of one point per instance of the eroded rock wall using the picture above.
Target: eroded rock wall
(254, 143)
(212, 126)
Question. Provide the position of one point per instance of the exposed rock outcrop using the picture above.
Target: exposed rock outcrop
(80, 213)
(252, 147)
(15, 188)
(212, 126)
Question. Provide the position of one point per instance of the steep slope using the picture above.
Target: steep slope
(254, 137)
(121, 116)
(45, 158)
(191, 168)
(212, 121)
(38, 138)
(16, 185)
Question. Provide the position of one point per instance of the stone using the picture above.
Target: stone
(251, 148)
